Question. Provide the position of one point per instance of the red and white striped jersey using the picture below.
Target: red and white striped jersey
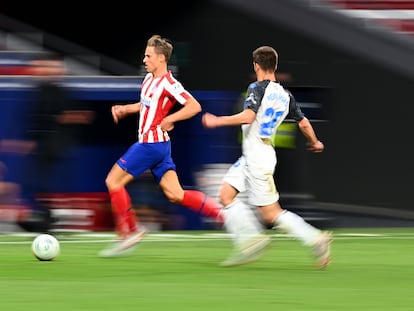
(158, 96)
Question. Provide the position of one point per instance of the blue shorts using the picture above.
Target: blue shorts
(143, 156)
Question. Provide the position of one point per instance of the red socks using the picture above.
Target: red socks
(126, 221)
(125, 218)
(201, 203)
(132, 220)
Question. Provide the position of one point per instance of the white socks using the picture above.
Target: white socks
(241, 222)
(296, 226)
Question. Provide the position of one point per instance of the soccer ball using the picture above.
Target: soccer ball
(45, 247)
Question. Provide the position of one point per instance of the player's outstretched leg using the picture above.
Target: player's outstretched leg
(247, 252)
(125, 246)
(129, 232)
(247, 234)
(319, 241)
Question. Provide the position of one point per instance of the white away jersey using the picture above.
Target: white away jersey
(158, 97)
(270, 101)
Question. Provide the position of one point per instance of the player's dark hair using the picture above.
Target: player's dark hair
(266, 57)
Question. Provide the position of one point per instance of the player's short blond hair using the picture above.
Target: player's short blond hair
(161, 46)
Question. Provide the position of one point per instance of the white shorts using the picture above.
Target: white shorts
(256, 181)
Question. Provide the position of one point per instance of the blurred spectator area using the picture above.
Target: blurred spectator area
(397, 15)
(14, 63)
(333, 25)
(19, 42)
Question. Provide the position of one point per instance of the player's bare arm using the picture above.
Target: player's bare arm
(121, 111)
(314, 144)
(246, 116)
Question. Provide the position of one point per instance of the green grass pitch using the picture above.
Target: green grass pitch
(372, 269)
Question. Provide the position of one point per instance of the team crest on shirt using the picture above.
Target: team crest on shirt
(154, 89)
(146, 102)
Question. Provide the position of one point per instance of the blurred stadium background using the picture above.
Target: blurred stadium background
(349, 63)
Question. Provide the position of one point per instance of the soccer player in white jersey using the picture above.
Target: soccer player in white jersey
(266, 105)
(160, 91)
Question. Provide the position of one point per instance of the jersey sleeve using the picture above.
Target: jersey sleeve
(295, 112)
(178, 92)
(254, 96)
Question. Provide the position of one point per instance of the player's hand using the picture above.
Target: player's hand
(167, 125)
(116, 113)
(316, 146)
(209, 120)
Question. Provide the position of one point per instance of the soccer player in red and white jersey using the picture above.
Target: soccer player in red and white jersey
(159, 93)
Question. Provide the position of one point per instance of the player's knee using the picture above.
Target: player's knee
(173, 197)
(270, 213)
(111, 183)
(108, 182)
(268, 218)
(225, 199)
(227, 194)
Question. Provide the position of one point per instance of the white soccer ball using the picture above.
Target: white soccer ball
(45, 247)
